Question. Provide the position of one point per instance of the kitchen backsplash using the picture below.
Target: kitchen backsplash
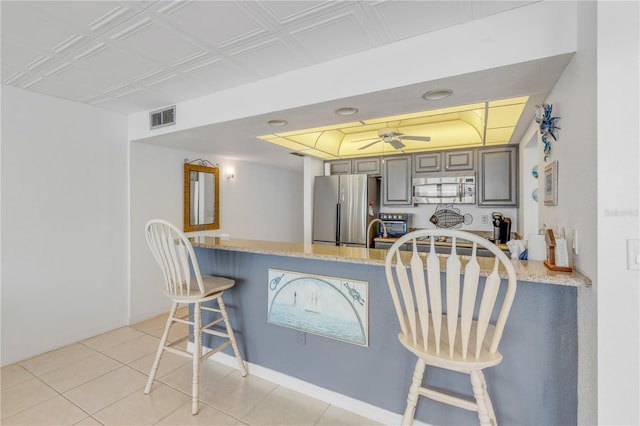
(419, 215)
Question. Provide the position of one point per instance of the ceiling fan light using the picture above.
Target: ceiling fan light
(277, 122)
(346, 111)
(433, 95)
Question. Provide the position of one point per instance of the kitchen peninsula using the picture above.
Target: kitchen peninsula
(540, 345)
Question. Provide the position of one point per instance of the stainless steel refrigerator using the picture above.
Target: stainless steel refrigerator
(343, 206)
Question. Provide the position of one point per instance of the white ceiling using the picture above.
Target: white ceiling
(131, 56)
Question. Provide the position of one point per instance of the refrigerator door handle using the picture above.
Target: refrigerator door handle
(338, 224)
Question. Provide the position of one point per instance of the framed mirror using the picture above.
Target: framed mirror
(201, 196)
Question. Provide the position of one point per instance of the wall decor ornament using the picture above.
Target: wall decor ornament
(548, 126)
(551, 184)
(337, 308)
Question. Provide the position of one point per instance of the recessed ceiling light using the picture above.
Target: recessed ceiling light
(433, 95)
(277, 122)
(346, 111)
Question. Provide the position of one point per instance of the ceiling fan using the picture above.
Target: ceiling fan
(393, 137)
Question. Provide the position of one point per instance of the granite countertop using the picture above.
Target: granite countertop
(503, 247)
(526, 270)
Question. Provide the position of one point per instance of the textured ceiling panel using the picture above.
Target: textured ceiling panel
(268, 58)
(132, 56)
(217, 74)
(320, 37)
(219, 24)
(220, 44)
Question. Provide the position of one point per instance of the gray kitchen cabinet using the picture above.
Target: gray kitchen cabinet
(369, 165)
(396, 180)
(459, 160)
(340, 167)
(498, 176)
(427, 162)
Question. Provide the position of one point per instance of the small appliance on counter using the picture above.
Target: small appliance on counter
(501, 228)
(397, 224)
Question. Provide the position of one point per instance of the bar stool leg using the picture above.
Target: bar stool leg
(232, 338)
(161, 346)
(197, 353)
(414, 389)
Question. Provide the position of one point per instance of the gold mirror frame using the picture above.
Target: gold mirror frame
(201, 167)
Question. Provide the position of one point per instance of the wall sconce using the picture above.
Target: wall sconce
(230, 173)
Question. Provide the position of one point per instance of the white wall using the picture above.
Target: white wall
(528, 207)
(64, 223)
(574, 100)
(618, 147)
(260, 203)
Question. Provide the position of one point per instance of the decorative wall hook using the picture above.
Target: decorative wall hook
(548, 126)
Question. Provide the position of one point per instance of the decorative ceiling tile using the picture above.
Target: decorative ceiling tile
(24, 25)
(143, 99)
(153, 41)
(289, 12)
(320, 37)
(268, 58)
(218, 74)
(219, 24)
(72, 73)
(71, 91)
(404, 19)
(90, 16)
(102, 57)
(118, 50)
(175, 87)
(18, 54)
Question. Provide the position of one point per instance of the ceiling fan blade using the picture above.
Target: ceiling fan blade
(396, 143)
(365, 139)
(370, 144)
(416, 138)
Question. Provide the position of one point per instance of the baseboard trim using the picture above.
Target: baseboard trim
(339, 400)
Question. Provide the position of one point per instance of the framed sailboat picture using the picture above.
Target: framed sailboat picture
(337, 308)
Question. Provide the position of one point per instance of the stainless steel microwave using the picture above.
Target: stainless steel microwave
(445, 188)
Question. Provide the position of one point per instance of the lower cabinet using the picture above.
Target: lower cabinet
(396, 180)
(498, 176)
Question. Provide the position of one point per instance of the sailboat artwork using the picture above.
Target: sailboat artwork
(331, 307)
(313, 302)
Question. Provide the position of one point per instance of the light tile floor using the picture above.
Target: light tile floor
(101, 380)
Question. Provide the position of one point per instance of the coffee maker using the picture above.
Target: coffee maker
(501, 228)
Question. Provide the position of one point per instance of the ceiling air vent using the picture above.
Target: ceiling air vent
(162, 117)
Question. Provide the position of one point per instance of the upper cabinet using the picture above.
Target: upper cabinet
(368, 166)
(426, 162)
(396, 180)
(498, 176)
(496, 169)
(340, 167)
(459, 160)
